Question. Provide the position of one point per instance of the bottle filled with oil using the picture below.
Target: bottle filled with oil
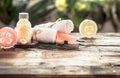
(23, 28)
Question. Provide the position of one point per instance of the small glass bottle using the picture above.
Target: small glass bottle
(23, 28)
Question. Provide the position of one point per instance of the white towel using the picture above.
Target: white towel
(46, 35)
(64, 26)
(46, 25)
(48, 32)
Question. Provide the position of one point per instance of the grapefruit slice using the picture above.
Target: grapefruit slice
(88, 28)
(8, 37)
(62, 37)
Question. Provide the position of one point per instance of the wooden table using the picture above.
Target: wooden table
(92, 58)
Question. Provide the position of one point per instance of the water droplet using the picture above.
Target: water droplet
(114, 70)
(112, 65)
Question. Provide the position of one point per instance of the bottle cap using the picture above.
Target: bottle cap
(24, 15)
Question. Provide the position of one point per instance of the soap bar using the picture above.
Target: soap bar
(88, 28)
(8, 37)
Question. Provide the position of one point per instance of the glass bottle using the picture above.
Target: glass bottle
(23, 29)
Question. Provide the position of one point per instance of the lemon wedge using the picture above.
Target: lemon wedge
(88, 28)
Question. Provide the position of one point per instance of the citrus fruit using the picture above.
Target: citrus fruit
(8, 37)
(61, 37)
(88, 28)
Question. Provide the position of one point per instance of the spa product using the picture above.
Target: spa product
(46, 35)
(8, 37)
(88, 28)
(64, 26)
(23, 29)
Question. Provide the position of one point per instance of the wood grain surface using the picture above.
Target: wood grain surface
(97, 56)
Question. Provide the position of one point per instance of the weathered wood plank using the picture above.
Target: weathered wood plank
(101, 39)
(100, 56)
(52, 59)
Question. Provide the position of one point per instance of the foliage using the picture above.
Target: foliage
(79, 10)
(9, 10)
(76, 10)
(98, 10)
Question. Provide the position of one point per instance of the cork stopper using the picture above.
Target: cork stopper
(23, 15)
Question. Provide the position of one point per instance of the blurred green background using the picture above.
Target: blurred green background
(106, 13)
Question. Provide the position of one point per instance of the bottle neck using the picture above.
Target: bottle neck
(23, 19)
(23, 16)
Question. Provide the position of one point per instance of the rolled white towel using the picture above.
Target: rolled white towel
(65, 26)
(46, 25)
(46, 35)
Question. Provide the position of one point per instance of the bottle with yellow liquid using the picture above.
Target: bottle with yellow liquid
(23, 28)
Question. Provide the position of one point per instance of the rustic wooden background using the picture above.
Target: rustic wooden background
(98, 57)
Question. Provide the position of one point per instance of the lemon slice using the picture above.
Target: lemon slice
(88, 28)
